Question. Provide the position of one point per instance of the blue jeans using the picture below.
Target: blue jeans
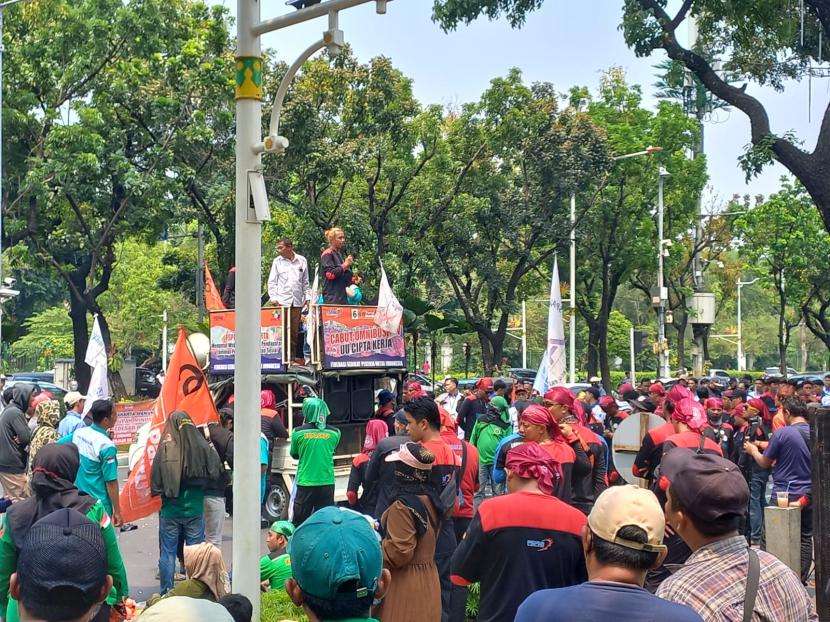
(193, 529)
(757, 501)
(485, 477)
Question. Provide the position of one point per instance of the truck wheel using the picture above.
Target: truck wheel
(276, 502)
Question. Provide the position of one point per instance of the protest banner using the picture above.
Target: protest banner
(185, 388)
(351, 339)
(223, 341)
(131, 416)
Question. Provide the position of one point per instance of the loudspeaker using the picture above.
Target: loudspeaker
(362, 398)
(336, 391)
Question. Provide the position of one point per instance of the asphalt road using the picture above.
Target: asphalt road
(140, 551)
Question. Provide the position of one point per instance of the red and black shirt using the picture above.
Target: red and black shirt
(357, 478)
(518, 544)
(651, 451)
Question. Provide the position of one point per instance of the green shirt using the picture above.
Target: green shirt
(315, 450)
(115, 565)
(99, 462)
(275, 571)
(189, 503)
(191, 588)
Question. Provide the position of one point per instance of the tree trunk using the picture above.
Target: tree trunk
(80, 339)
(605, 367)
(681, 340)
(594, 337)
(783, 331)
(488, 355)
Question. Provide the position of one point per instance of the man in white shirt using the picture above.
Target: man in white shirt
(288, 287)
(451, 400)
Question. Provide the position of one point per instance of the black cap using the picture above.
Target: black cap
(63, 564)
(709, 487)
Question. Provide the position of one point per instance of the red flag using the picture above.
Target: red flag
(185, 388)
(213, 301)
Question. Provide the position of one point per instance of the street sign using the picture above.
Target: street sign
(628, 438)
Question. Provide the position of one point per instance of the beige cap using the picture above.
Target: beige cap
(620, 506)
(72, 398)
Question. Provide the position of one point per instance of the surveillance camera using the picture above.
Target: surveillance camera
(10, 281)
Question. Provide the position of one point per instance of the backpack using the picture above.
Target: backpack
(451, 492)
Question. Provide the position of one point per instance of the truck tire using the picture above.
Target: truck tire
(276, 502)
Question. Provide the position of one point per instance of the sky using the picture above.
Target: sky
(566, 43)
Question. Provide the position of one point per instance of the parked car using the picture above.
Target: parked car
(523, 373)
(775, 371)
(425, 381)
(146, 383)
(35, 376)
(57, 392)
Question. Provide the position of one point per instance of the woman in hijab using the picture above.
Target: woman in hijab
(207, 577)
(313, 444)
(410, 526)
(48, 415)
(540, 424)
(54, 469)
(689, 420)
(376, 430)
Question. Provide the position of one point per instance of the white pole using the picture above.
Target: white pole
(633, 356)
(246, 474)
(572, 320)
(524, 334)
(164, 341)
(740, 341)
(662, 357)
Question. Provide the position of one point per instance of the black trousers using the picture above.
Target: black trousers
(458, 596)
(309, 499)
(806, 542)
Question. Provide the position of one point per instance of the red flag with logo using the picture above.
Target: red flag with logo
(185, 388)
(213, 301)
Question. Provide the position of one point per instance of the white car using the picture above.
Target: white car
(137, 446)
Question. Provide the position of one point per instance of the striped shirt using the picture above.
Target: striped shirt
(713, 583)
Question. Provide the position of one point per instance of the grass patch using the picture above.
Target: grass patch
(276, 606)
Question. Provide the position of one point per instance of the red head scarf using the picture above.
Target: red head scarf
(678, 392)
(761, 405)
(539, 415)
(417, 389)
(625, 388)
(714, 402)
(447, 422)
(606, 400)
(530, 461)
(657, 388)
(739, 410)
(267, 399)
(562, 396)
(376, 430)
(691, 413)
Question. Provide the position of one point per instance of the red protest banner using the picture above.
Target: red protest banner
(131, 416)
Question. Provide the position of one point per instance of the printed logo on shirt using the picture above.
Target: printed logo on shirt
(540, 545)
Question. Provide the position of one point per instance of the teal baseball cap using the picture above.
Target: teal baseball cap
(335, 555)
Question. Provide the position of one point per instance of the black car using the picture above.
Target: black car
(524, 374)
(146, 383)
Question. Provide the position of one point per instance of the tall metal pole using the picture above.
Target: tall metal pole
(524, 334)
(572, 320)
(200, 271)
(246, 474)
(740, 335)
(164, 341)
(633, 357)
(663, 353)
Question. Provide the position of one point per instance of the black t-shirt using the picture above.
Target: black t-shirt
(468, 411)
(518, 544)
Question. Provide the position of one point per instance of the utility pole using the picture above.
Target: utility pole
(663, 352)
(250, 145)
(741, 361)
(572, 319)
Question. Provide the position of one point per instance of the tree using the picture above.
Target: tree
(775, 234)
(759, 41)
(119, 162)
(616, 237)
(502, 217)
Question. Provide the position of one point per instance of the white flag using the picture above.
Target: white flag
(311, 318)
(96, 358)
(390, 311)
(552, 368)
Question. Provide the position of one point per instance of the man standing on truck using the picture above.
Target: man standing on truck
(288, 287)
(313, 444)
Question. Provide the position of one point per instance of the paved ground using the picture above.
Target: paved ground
(140, 551)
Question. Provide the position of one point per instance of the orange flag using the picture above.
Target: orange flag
(185, 388)
(213, 301)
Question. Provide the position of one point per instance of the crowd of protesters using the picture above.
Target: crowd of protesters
(500, 487)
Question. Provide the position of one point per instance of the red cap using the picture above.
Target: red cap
(560, 395)
(606, 400)
(485, 383)
(625, 388)
(657, 388)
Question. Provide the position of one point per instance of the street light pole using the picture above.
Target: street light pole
(249, 183)
(663, 352)
(741, 363)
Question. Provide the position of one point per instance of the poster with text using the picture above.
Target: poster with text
(223, 341)
(352, 340)
(131, 416)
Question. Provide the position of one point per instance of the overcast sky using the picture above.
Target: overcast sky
(566, 43)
